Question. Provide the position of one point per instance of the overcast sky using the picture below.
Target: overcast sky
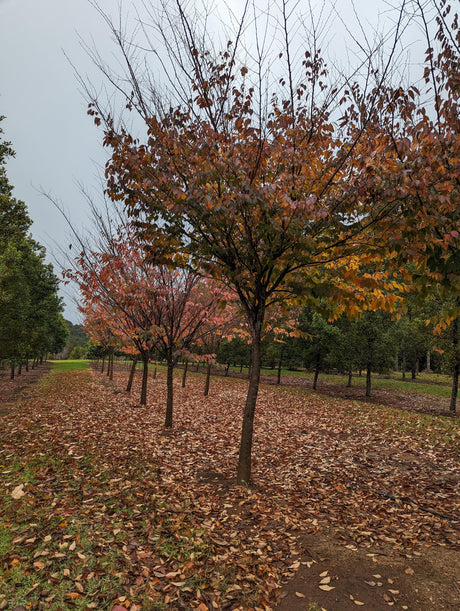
(55, 141)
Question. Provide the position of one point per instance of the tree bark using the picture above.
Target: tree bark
(455, 342)
(20, 368)
(404, 366)
(428, 362)
(368, 380)
(208, 377)
(244, 459)
(226, 370)
(280, 362)
(145, 377)
(12, 371)
(315, 379)
(103, 363)
(350, 375)
(131, 375)
(184, 374)
(170, 393)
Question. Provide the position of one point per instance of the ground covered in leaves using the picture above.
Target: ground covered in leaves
(352, 504)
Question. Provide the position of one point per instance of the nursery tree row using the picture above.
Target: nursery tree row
(31, 321)
(283, 181)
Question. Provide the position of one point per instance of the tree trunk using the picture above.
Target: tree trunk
(455, 342)
(184, 374)
(20, 368)
(170, 393)
(226, 369)
(413, 371)
(244, 459)
(368, 380)
(404, 366)
(280, 362)
(12, 371)
(27, 364)
(350, 375)
(208, 377)
(315, 379)
(145, 377)
(103, 363)
(428, 362)
(131, 375)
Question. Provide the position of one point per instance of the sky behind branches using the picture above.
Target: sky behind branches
(57, 145)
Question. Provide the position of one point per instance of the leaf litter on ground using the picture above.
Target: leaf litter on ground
(115, 512)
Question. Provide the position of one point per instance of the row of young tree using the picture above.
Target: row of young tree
(259, 171)
(31, 321)
(374, 342)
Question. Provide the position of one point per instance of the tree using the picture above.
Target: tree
(425, 132)
(375, 348)
(131, 300)
(31, 323)
(322, 343)
(262, 189)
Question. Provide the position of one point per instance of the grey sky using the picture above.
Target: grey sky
(55, 141)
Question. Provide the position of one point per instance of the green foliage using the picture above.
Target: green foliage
(31, 324)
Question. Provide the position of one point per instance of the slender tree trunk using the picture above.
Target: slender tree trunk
(280, 362)
(226, 369)
(27, 364)
(404, 366)
(110, 365)
(428, 362)
(315, 378)
(350, 376)
(244, 460)
(170, 393)
(103, 363)
(12, 371)
(131, 375)
(145, 377)
(20, 368)
(208, 378)
(241, 368)
(455, 342)
(184, 374)
(368, 380)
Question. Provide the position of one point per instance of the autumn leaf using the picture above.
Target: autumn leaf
(18, 492)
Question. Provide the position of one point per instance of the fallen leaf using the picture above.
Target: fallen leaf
(300, 595)
(326, 588)
(325, 580)
(18, 492)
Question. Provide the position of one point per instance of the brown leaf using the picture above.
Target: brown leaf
(18, 492)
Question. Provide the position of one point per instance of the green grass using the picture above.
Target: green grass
(69, 365)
